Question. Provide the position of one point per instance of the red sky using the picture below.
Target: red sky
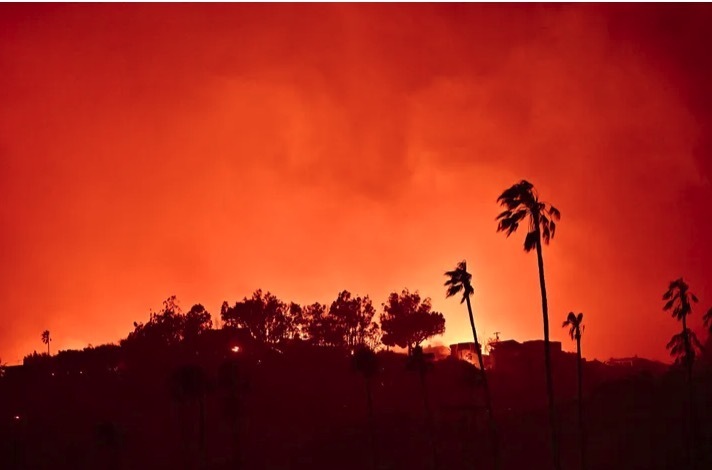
(206, 151)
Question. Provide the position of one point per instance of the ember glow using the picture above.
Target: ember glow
(210, 150)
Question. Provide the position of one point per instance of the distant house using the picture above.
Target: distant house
(513, 356)
(638, 364)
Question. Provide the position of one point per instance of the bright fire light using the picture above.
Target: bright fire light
(236, 349)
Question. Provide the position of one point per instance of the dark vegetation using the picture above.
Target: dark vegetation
(279, 386)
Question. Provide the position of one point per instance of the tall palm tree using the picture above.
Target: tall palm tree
(707, 318)
(459, 280)
(365, 362)
(46, 339)
(418, 362)
(575, 324)
(678, 300)
(521, 203)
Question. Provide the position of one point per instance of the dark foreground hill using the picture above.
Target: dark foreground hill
(305, 407)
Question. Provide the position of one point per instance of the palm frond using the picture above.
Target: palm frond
(545, 232)
(684, 346)
(695, 341)
(679, 299)
(454, 290)
(459, 280)
(575, 323)
(708, 318)
(530, 241)
(554, 212)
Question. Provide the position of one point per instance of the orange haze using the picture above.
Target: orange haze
(209, 150)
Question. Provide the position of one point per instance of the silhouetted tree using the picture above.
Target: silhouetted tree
(575, 324)
(190, 383)
(164, 328)
(707, 349)
(522, 204)
(407, 320)
(372, 336)
(420, 363)
(678, 300)
(46, 339)
(707, 318)
(353, 318)
(321, 328)
(459, 280)
(263, 315)
(345, 324)
(365, 362)
(683, 344)
(297, 322)
(196, 321)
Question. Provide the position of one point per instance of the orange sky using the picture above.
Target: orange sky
(206, 151)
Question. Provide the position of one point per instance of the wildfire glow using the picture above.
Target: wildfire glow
(321, 153)
(235, 349)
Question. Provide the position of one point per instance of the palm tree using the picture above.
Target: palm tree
(418, 362)
(576, 327)
(459, 280)
(521, 202)
(678, 299)
(678, 346)
(46, 339)
(365, 362)
(707, 318)
(190, 383)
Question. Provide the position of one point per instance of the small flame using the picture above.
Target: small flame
(235, 349)
(17, 417)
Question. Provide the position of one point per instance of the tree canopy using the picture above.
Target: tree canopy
(407, 320)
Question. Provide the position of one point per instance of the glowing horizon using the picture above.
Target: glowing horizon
(207, 151)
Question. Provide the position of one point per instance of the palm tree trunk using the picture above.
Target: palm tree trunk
(371, 423)
(547, 355)
(429, 420)
(582, 431)
(488, 397)
(690, 396)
